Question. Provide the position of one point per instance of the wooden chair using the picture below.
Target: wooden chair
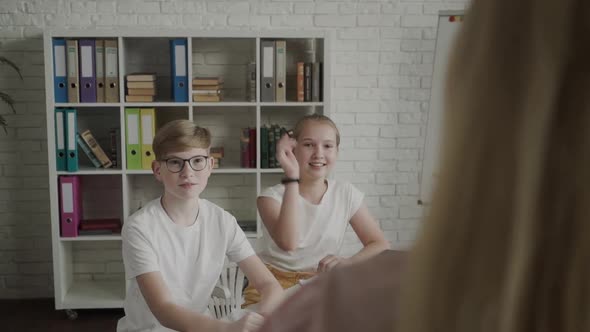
(227, 296)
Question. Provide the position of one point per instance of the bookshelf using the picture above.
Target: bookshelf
(88, 269)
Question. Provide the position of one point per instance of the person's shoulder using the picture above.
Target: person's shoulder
(144, 215)
(274, 191)
(340, 185)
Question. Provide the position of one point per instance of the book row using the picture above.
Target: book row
(87, 70)
(68, 139)
(275, 80)
(140, 128)
(269, 136)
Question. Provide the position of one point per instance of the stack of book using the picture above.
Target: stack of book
(217, 154)
(141, 87)
(99, 226)
(207, 89)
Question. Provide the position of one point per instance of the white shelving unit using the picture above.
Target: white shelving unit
(88, 270)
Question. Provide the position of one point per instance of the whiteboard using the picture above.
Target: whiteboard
(448, 25)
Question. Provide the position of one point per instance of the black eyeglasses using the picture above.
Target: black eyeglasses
(197, 163)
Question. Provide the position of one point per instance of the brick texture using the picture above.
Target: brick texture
(381, 61)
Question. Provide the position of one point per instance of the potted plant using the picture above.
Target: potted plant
(5, 97)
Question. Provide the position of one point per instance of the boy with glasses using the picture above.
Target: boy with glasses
(174, 247)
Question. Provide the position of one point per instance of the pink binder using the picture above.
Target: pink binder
(70, 205)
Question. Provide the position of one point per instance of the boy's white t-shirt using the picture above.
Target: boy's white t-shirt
(321, 229)
(190, 259)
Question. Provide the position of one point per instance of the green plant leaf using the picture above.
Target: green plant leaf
(4, 124)
(5, 61)
(4, 96)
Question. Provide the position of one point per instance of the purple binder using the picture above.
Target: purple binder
(87, 70)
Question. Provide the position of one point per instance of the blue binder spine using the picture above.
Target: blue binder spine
(60, 79)
(178, 56)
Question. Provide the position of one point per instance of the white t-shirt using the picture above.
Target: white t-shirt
(190, 259)
(321, 228)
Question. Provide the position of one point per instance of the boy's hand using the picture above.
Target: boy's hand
(329, 262)
(250, 322)
(285, 156)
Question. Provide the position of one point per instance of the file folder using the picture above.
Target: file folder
(71, 128)
(70, 205)
(111, 67)
(60, 80)
(179, 70)
(132, 136)
(267, 54)
(99, 52)
(73, 80)
(87, 71)
(148, 131)
(60, 144)
(281, 71)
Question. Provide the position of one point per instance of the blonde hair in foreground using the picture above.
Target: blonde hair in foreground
(507, 244)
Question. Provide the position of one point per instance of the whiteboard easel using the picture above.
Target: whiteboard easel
(445, 36)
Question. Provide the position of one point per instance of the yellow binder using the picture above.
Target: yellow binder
(148, 131)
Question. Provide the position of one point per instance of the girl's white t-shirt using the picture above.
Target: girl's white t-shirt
(321, 228)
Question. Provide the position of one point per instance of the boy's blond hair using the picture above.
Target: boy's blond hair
(318, 118)
(180, 135)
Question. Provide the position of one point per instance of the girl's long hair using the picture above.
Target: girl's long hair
(506, 246)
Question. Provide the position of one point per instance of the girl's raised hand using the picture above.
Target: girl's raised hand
(285, 156)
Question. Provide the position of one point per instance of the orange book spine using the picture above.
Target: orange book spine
(300, 80)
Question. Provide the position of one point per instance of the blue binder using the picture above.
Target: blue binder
(71, 127)
(60, 140)
(60, 79)
(178, 57)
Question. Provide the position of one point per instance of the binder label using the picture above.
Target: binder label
(146, 134)
(267, 68)
(60, 64)
(133, 126)
(59, 121)
(180, 60)
(67, 196)
(71, 131)
(86, 58)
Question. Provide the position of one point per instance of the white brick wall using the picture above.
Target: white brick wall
(382, 57)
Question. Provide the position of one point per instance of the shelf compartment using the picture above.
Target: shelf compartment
(228, 58)
(150, 55)
(104, 124)
(306, 50)
(226, 124)
(100, 197)
(92, 275)
(95, 295)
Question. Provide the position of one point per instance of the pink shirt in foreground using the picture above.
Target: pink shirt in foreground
(360, 297)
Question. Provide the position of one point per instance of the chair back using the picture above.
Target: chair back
(232, 279)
